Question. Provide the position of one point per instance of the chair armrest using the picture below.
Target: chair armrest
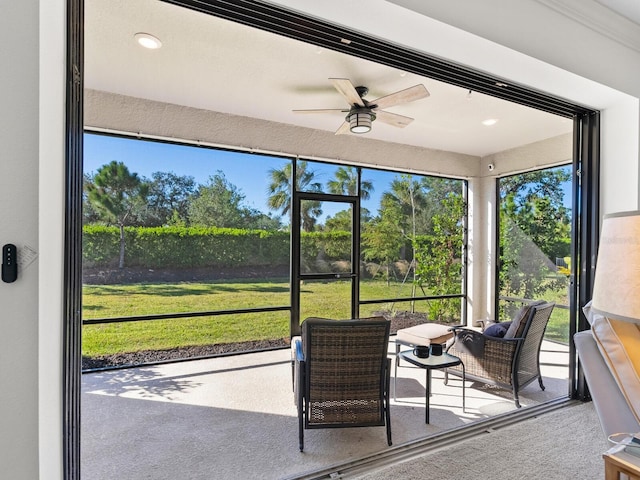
(299, 354)
(297, 368)
(467, 340)
(458, 328)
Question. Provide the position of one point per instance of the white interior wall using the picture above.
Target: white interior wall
(620, 169)
(30, 359)
(50, 181)
(19, 418)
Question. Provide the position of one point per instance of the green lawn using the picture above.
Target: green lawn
(330, 299)
(320, 299)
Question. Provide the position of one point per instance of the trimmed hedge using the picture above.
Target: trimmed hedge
(183, 247)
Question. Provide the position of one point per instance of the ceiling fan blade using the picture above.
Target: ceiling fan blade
(403, 96)
(344, 128)
(321, 110)
(347, 90)
(393, 119)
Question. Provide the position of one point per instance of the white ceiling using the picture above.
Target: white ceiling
(213, 64)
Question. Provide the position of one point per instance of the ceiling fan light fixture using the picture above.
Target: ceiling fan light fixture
(360, 121)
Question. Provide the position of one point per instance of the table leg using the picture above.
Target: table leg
(464, 379)
(427, 394)
(395, 377)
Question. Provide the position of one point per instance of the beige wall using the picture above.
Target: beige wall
(149, 118)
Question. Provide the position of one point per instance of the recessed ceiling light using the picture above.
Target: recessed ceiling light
(147, 41)
(490, 121)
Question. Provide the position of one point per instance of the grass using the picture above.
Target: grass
(325, 299)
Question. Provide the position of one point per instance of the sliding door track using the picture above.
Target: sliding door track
(414, 449)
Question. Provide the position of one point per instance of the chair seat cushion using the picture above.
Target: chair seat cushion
(424, 334)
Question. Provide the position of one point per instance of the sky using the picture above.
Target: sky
(248, 172)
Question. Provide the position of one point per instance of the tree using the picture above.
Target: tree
(115, 193)
(89, 214)
(406, 199)
(169, 196)
(435, 191)
(382, 239)
(280, 193)
(438, 257)
(346, 183)
(342, 220)
(219, 203)
(535, 228)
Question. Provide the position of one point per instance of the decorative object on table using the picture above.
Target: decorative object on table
(422, 335)
(421, 351)
(510, 362)
(342, 374)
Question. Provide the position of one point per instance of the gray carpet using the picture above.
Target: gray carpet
(561, 445)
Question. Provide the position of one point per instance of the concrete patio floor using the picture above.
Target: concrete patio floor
(234, 417)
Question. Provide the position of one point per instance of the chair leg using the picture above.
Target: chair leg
(386, 398)
(540, 382)
(388, 429)
(446, 376)
(302, 408)
(300, 428)
(516, 399)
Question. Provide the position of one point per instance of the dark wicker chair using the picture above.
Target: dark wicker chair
(341, 374)
(510, 363)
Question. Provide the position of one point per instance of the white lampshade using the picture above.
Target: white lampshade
(616, 289)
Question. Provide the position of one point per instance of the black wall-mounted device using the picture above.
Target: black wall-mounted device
(9, 263)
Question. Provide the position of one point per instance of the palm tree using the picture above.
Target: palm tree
(346, 183)
(280, 193)
(407, 197)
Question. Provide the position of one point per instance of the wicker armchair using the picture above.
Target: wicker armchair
(511, 362)
(341, 374)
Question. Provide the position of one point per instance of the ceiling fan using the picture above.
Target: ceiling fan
(361, 113)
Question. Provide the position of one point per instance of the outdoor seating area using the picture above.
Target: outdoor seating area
(510, 360)
(342, 374)
(207, 415)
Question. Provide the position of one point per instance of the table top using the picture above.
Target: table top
(432, 361)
